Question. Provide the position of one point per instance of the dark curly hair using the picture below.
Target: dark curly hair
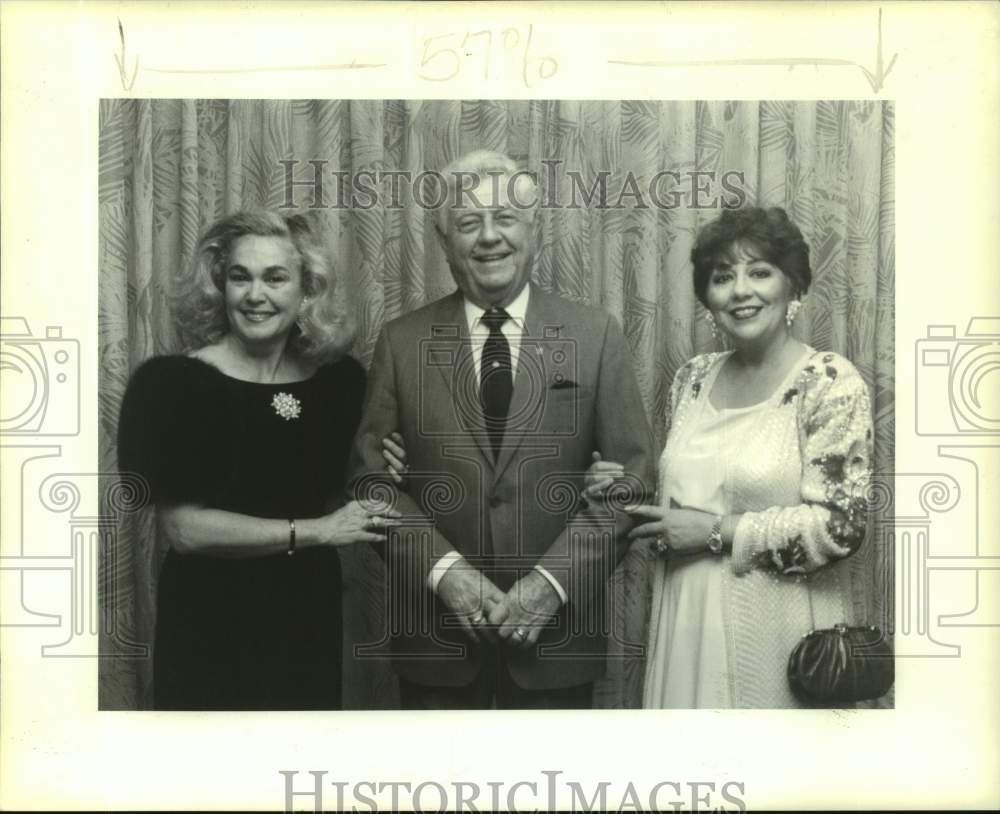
(769, 231)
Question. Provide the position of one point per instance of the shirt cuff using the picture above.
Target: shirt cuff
(439, 568)
(554, 583)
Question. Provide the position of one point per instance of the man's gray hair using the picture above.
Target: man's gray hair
(488, 164)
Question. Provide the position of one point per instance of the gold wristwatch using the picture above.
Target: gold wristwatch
(715, 537)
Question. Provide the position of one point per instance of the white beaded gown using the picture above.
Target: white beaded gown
(796, 466)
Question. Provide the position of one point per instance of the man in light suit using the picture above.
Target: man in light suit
(497, 579)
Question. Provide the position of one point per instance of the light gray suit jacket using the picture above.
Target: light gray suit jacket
(574, 392)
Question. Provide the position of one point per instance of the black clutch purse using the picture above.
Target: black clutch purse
(841, 665)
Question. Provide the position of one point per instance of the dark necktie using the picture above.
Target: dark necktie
(495, 379)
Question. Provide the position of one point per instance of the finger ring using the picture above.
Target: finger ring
(520, 633)
(477, 618)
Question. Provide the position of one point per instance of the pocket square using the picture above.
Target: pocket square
(564, 384)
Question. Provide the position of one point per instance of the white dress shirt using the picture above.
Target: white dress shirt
(512, 329)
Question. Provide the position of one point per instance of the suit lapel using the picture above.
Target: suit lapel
(451, 353)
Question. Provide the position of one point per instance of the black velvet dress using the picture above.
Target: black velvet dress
(244, 632)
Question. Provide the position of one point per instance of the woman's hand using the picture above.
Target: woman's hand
(394, 454)
(351, 523)
(600, 476)
(680, 531)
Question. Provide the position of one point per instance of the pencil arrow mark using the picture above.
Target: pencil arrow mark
(876, 79)
(127, 84)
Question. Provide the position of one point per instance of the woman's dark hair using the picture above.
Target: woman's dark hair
(775, 238)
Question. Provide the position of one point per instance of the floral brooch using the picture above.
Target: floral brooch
(287, 406)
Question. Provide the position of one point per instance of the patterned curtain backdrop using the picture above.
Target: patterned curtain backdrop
(168, 168)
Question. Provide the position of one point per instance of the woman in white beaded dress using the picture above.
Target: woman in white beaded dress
(763, 481)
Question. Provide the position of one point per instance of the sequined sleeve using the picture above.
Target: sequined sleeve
(677, 386)
(835, 438)
(687, 385)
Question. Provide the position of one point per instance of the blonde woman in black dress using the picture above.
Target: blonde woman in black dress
(244, 442)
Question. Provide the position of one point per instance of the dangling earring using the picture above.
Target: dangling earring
(710, 319)
(793, 310)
